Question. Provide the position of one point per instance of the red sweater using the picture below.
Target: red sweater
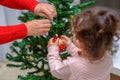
(13, 32)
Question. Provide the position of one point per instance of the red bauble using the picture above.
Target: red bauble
(62, 45)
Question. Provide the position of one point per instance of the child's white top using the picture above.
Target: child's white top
(76, 67)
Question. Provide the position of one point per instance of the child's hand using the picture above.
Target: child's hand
(52, 42)
(67, 41)
(59, 42)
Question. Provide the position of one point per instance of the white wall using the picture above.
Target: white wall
(8, 17)
(2, 22)
(116, 62)
(75, 1)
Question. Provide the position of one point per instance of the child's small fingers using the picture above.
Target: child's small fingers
(51, 40)
(57, 40)
(64, 37)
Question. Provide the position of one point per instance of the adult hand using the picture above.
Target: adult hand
(46, 10)
(38, 27)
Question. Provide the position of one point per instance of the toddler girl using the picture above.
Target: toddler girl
(93, 31)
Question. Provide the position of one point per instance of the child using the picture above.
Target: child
(93, 31)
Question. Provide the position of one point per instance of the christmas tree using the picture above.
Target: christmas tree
(31, 52)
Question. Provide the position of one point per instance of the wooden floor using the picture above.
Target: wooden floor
(114, 77)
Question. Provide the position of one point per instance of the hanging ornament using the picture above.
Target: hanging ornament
(61, 43)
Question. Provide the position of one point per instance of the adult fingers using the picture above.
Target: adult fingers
(52, 9)
(41, 31)
(44, 21)
(50, 12)
(47, 13)
(43, 26)
(43, 14)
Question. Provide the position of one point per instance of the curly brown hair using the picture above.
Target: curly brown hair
(96, 27)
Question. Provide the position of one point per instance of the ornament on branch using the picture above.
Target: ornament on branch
(61, 44)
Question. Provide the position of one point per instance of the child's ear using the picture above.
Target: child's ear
(77, 43)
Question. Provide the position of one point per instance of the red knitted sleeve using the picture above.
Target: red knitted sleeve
(10, 33)
(20, 4)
